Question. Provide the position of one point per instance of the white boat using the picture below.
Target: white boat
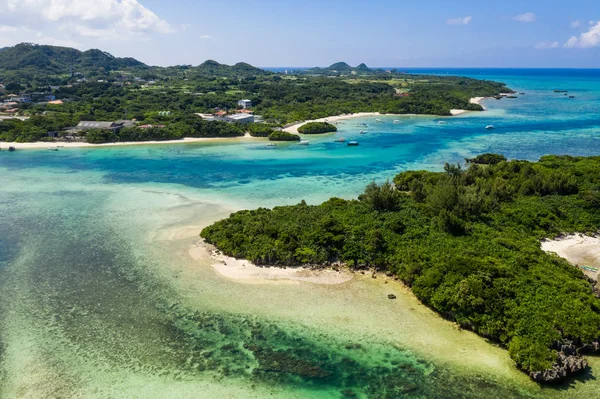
(304, 142)
(53, 149)
(490, 127)
(363, 131)
(379, 120)
(271, 145)
(397, 121)
(442, 123)
(340, 140)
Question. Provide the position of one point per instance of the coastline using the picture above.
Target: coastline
(244, 271)
(188, 140)
(474, 100)
(577, 249)
(294, 127)
(52, 144)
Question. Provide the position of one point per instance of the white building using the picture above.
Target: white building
(240, 118)
(245, 104)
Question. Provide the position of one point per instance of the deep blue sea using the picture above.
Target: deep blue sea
(99, 298)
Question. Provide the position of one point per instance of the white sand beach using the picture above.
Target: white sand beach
(578, 249)
(474, 100)
(294, 128)
(243, 271)
(186, 140)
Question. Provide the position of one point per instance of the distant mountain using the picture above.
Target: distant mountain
(342, 68)
(215, 69)
(52, 60)
(28, 63)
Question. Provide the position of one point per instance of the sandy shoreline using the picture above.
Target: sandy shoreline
(578, 249)
(244, 271)
(186, 140)
(294, 128)
(332, 119)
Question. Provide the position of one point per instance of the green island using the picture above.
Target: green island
(57, 91)
(317, 128)
(283, 136)
(466, 241)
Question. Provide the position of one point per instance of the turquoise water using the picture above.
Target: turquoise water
(86, 309)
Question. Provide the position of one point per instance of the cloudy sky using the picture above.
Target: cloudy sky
(428, 33)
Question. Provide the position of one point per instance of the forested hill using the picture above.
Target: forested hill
(342, 68)
(27, 58)
(28, 63)
(468, 244)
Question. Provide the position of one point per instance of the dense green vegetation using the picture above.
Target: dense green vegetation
(465, 241)
(280, 135)
(317, 128)
(95, 86)
(260, 129)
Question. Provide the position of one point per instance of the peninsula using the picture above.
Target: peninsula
(466, 241)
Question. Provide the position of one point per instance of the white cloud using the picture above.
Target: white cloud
(527, 17)
(460, 20)
(107, 19)
(8, 28)
(575, 24)
(588, 39)
(547, 45)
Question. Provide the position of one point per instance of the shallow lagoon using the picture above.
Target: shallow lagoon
(100, 297)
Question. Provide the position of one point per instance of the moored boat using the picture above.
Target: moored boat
(490, 127)
(304, 142)
(363, 131)
(397, 121)
(352, 143)
(53, 149)
(340, 140)
(11, 148)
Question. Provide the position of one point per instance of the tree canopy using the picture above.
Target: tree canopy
(467, 241)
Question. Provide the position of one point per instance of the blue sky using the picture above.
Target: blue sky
(434, 33)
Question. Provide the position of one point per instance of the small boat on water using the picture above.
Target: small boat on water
(397, 121)
(271, 145)
(53, 149)
(590, 269)
(11, 148)
(442, 123)
(363, 131)
(340, 140)
(571, 96)
(304, 142)
(490, 127)
(379, 120)
(352, 143)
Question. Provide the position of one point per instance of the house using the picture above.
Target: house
(245, 111)
(55, 102)
(207, 117)
(21, 99)
(220, 113)
(240, 118)
(2, 89)
(115, 126)
(9, 105)
(245, 104)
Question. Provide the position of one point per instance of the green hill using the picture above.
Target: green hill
(27, 58)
